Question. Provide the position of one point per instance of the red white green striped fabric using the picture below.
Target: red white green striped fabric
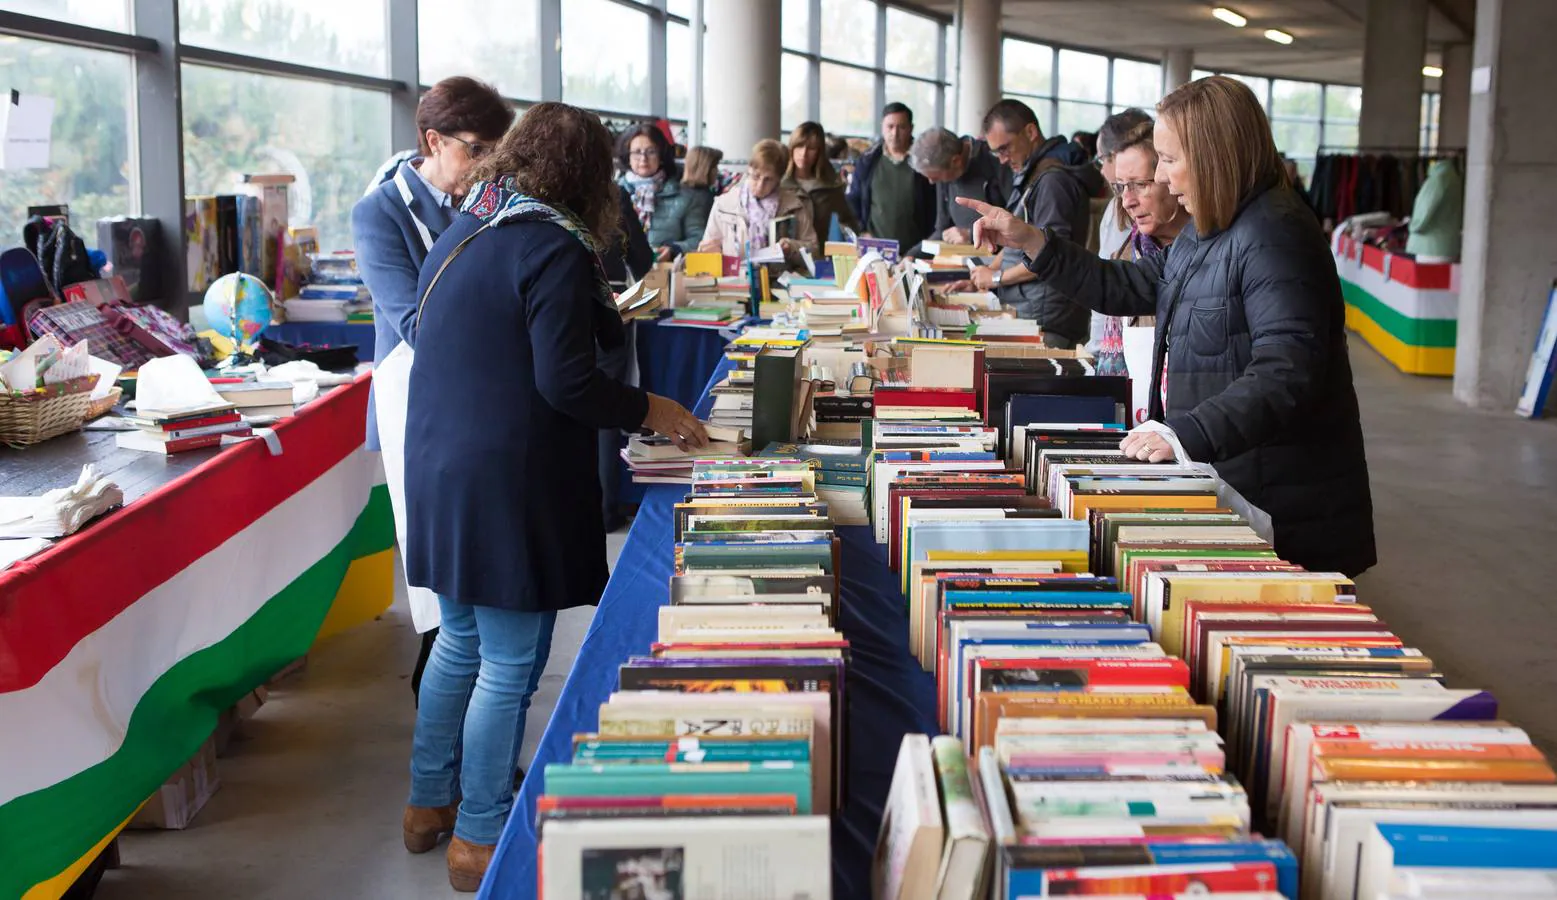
(120, 647)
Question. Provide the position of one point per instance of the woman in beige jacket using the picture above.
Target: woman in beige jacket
(741, 218)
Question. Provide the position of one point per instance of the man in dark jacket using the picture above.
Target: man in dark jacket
(888, 197)
(1052, 189)
(958, 167)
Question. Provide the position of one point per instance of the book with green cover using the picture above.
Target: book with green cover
(680, 779)
(964, 858)
(775, 395)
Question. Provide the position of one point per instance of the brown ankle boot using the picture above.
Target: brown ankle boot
(423, 825)
(468, 864)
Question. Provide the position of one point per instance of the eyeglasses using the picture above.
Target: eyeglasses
(650, 153)
(475, 151)
(1003, 151)
(1139, 188)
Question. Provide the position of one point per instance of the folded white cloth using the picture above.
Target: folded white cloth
(62, 511)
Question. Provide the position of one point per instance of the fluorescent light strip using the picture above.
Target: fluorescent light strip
(1230, 17)
(1432, 71)
(1280, 37)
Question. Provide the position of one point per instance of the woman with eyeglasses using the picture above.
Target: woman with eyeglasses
(1154, 215)
(1250, 370)
(394, 227)
(742, 215)
(672, 215)
(505, 404)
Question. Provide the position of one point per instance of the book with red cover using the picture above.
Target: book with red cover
(946, 398)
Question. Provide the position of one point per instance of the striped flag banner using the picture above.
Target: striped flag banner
(121, 646)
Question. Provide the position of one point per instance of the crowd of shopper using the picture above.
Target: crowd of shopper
(492, 254)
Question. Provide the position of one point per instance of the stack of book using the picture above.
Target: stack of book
(334, 292)
(187, 429)
(714, 317)
(655, 459)
(726, 741)
(258, 399)
(842, 476)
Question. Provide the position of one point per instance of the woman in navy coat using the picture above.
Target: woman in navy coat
(504, 503)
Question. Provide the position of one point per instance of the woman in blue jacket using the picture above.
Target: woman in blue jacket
(672, 216)
(505, 403)
(395, 224)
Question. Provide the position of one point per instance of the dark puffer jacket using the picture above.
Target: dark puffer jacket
(1258, 378)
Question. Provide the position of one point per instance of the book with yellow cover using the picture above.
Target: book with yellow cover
(1167, 593)
(1082, 504)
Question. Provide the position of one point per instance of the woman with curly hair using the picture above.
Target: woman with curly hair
(504, 506)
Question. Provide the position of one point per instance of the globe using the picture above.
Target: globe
(238, 306)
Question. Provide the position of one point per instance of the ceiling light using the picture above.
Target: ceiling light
(1280, 37)
(1432, 71)
(1230, 17)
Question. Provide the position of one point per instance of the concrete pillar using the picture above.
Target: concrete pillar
(1394, 46)
(1454, 96)
(741, 74)
(1178, 67)
(1509, 256)
(978, 63)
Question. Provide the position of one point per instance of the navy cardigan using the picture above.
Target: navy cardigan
(393, 227)
(502, 494)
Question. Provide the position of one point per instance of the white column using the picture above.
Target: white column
(1508, 263)
(1394, 45)
(1454, 96)
(1178, 67)
(978, 63)
(741, 74)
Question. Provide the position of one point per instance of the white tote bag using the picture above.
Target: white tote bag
(391, 393)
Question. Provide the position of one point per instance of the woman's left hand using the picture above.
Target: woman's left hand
(1147, 446)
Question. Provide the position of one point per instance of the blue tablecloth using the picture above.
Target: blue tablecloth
(332, 333)
(888, 694)
(674, 361)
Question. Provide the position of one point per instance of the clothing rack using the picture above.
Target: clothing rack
(1371, 178)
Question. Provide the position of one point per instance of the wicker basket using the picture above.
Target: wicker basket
(106, 405)
(35, 416)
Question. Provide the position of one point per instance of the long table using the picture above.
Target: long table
(122, 644)
(889, 695)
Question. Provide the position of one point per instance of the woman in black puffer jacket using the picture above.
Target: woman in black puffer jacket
(1251, 369)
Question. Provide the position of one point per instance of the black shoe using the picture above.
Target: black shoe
(615, 522)
(518, 779)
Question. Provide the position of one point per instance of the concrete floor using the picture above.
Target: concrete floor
(310, 801)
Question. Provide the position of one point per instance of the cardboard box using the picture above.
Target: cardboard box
(230, 724)
(183, 795)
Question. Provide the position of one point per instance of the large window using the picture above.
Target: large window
(1028, 68)
(329, 136)
(113, 15)
(89, 154)
(678, 70)
(848, 100)
(348, 35)
(796, 23)
(911, 43)
(1343, 107)
(866, 52)
(795, 90)
(1430, 106)
(849, 31)
(1137, 84)
(455, 37)
(1296, 120)
(617, 80)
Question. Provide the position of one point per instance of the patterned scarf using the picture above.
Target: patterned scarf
(644, 191)
(1144, 246)
(758, 214)
(500, 202)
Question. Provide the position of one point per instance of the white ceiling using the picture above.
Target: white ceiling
(1328, 33)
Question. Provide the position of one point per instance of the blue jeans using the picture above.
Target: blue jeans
(485, 665)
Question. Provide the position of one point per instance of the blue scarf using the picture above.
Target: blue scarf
(498, 203)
